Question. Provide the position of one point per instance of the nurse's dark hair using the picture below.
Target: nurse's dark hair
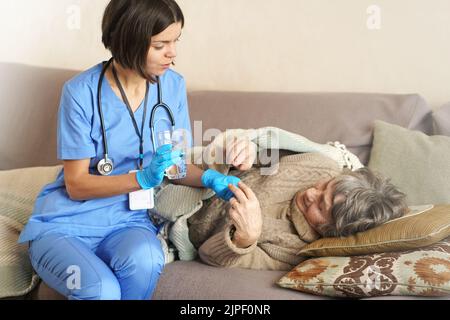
(128, 26)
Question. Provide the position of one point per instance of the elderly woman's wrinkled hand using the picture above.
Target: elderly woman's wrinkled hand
(245, 215)
(241, 153)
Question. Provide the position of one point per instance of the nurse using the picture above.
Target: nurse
(84, 241)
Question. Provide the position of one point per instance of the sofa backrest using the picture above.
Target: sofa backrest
(441, 119)
(30, 99)
(321, 117)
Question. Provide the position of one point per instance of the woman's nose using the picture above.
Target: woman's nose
(172, 52)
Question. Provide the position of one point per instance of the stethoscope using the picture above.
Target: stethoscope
(106, 166)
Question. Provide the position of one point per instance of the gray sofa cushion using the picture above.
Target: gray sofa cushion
(192, 280)
(441, 119)
(417, 164)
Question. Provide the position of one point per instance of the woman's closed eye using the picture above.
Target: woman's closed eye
(160, 47)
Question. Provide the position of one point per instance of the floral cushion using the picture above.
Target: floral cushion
(419, 272)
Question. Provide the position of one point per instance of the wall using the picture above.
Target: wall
(398, 46)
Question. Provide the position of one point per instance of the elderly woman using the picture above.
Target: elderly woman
(270, 218)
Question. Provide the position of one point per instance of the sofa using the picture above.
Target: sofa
(30, 98)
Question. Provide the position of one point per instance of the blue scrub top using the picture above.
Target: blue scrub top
(80, 137)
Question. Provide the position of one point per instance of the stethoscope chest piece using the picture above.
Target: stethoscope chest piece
(105, 167)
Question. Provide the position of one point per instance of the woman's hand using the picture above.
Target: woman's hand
(153, 175)
(219, 183)
(241, 153)
(245, 214)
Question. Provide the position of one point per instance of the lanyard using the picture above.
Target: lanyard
(140, 134)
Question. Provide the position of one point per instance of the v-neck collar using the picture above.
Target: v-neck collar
(119, 99)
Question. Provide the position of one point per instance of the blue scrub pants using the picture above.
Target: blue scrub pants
(125, 265)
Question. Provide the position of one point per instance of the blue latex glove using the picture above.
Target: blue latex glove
(219, 183)
(153, 175)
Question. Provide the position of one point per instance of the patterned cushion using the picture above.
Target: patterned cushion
(18, 191)
(422, 226)
(420, 272)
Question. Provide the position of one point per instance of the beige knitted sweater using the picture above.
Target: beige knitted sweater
(285, 230)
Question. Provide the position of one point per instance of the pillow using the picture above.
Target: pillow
(417, 164)
(419, 272)
(18, 191)
(441, 119)
(422, 226)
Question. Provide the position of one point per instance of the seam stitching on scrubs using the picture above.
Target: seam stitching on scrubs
(49, 273)
(151, 254)
(56, 277)
(89, 262)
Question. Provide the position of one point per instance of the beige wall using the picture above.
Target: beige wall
(261, 45)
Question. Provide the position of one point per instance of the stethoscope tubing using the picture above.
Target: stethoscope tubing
(159, 104)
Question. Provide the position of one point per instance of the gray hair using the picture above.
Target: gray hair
(369, 201)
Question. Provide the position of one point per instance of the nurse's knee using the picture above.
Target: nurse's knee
(150, 259)
(104, 287)
(146, 257)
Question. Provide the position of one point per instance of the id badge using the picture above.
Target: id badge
(142, 199)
